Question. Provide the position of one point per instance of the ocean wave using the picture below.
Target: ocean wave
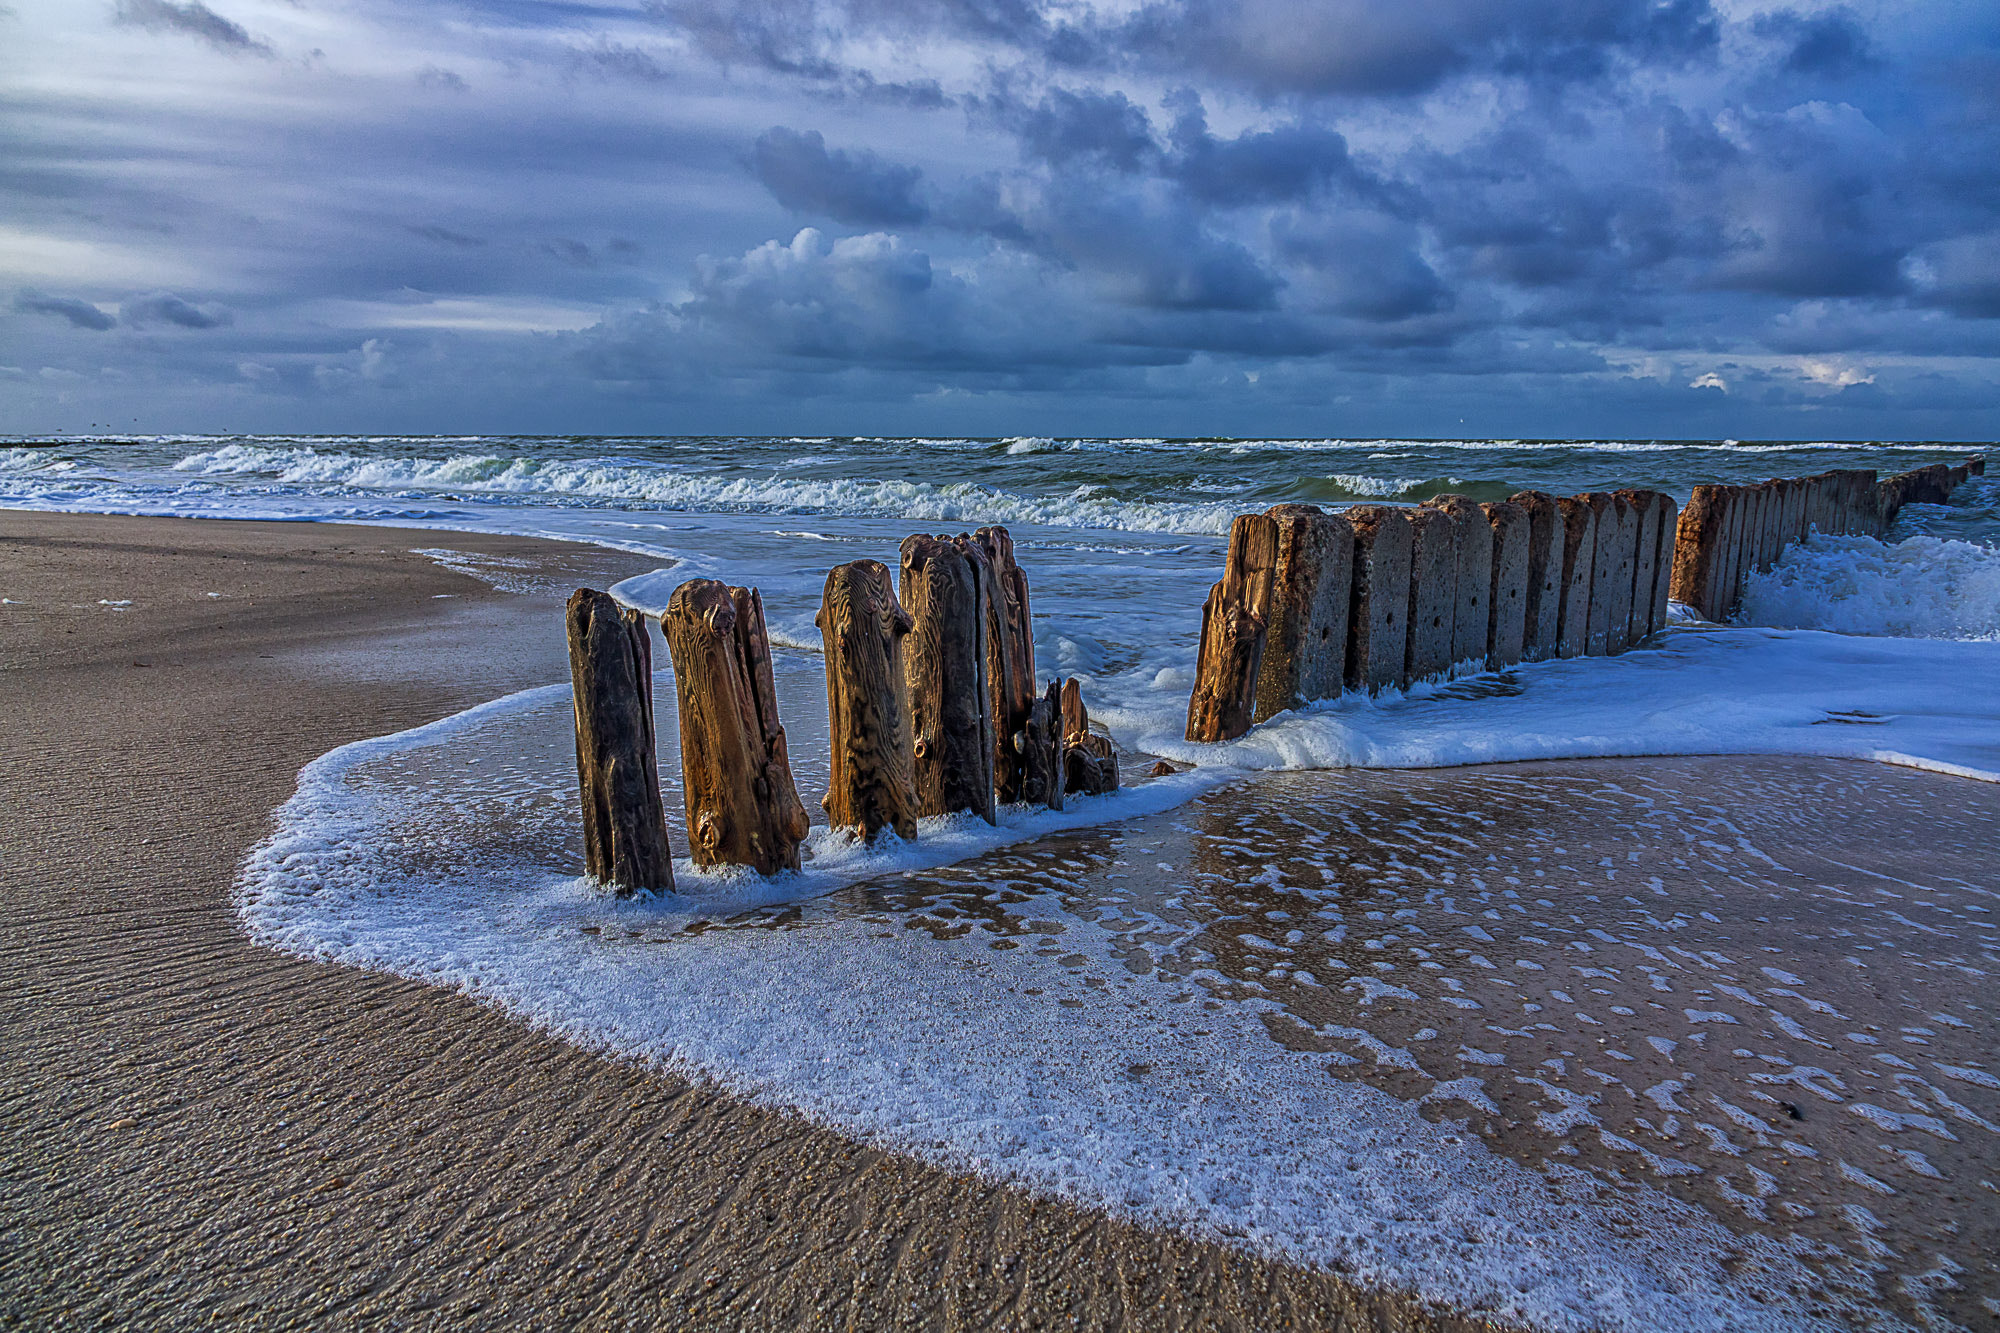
(636, 482)
(1918, 588)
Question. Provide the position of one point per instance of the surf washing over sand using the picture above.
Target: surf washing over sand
(1044, 1003)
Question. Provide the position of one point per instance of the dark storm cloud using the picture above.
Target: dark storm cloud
(446, 236)
(853, 187)
(192, 19)
(1831, 43)
(80, 314)
(166, 308)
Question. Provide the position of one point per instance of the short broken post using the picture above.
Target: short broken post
(945, 584)
(618, 774)
(1039, 746)
(862, 627)
(742, 806)
(1090, 764)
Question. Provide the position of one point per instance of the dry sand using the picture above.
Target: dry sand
(200, 1132)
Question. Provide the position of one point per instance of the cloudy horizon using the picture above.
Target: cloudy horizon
(1237, 217)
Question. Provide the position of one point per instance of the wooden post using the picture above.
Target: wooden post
(1233, 628)
(861, 625)
(1434, 598)
(1645, 517)
(1663, 560)
(1090, 764)
(1470, 618)
(1611, 567)
(1040, 746)
(1010, 659)
(1507, 597)
(1542, 613)
(1305, 632)
(1698, 548)
(617, 772)
(1579, 565)
(742, 806)
(1376, 633)
(944, 588)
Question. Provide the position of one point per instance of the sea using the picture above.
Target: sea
(1392, 985)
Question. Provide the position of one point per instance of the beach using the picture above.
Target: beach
(203, 1132)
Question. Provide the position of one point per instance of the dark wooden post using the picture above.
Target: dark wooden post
(1579, 563)
(1507, 597)
(1010, 659)
(618, 774)
(1377, 632)
(944, 587)
(1233, 627)
(1040, 746)
(1698, 549)
(1090, 764)
(1542, 616)
(1434, 595)
(867, 702)
(1305, 632)
(1663, 559)
(742, 806)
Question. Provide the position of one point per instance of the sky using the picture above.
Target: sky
(1621, 218)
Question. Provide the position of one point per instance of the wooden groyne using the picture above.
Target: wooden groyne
(1728, 533)
(931, 705)
(1382, 596)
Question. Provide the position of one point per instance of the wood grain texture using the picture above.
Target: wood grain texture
(742, 805)
(862, 627)
(617, 772)
(944, 588)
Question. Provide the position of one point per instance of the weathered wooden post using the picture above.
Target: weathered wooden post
(1542, 614)
(1663, 560)
(1697, 546)
(862, 626)
(1376, 632)
(1305, 631)
(1233, 629)
(617, 772)
(1611, 569)
(1507, 597)
(1579, 565)
(944, 589)
(1090, 764)
(1645, 518)
(1010, 659)
(1040, 746)
(1434, 594)
(1471, 617)
(742, 806)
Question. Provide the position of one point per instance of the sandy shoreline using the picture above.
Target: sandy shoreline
(198, 1130)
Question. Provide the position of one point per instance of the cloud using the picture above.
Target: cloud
(166, 308)
(80, 314)
(446, 236)
(853, 187)
(192, 19)
(1830, 44)
(439, 79)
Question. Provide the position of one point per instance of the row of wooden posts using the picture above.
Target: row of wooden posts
(931, 707)
(1728, 532)
(1312, 604)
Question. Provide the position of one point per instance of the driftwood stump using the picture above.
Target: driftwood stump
(742, 806)
(1305, 633)
(1039, 744)
(867, 702)
(1233, 626)
(944, 589)
(1090, 765)
(624, 820)
(1010, 659)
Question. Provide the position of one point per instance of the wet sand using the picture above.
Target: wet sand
(200, 1132)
